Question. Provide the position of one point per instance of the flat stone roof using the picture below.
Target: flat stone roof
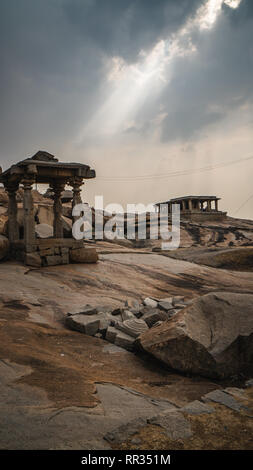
(47, 166)
(184, 198)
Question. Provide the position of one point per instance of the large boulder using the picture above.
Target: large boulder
(4, 199)
(4, 246)
(45, 215)
(212, 337)
(44, 231)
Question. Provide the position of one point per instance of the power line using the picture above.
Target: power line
(172, 174)
(243, 204)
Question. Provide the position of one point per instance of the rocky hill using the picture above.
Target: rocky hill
(54, 375)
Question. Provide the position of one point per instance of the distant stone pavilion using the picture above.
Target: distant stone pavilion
(198, 208)
(42, 168)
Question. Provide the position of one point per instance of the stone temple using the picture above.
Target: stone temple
(40, 169)
(197, 208)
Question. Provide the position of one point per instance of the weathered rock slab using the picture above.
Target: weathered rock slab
(124, 341)
(150, 302)
(111, 334)
(165, 305)
(222, 398)
(88, 324)
(197, 408)
(173, 423)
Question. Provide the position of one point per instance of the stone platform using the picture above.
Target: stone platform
(51, 252)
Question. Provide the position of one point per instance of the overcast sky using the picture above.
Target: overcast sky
(150, 93)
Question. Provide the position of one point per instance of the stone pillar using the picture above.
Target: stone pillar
(13, 230)
(58, 223)
(190, 205)
(183, 205)
(29, 222)
(216, 205)
(76, 184)
(208, 205)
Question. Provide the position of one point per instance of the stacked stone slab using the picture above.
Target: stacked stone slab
(51, 252)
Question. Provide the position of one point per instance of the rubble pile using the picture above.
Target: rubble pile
(124, 325)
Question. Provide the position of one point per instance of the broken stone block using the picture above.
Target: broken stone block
(151, 317)
(124, 340)
(53, 260)
(105, 322)
(150, 302)
(33, 259)
(111, 334)
(133, 327)
(88, 324)
(164, 305)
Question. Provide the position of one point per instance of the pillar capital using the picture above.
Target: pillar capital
(11, 188)
(76, 184)
(57, 188)
(28, 181)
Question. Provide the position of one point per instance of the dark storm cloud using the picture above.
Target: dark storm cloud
(52, 55)
(53, 69)
(124, 27)
(216, 80)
